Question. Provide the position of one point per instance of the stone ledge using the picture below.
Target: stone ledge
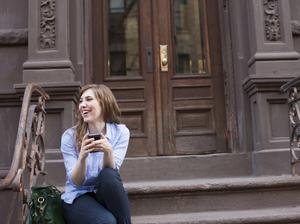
(287, 215)
(13, 37)
(58, 91)
(212, 184)
(264, 83)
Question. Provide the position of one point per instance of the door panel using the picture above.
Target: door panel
(189, 86)
(121, 36)
(179, 110)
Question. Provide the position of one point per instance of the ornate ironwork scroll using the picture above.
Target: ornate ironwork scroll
(47, 24)
(34, 142)
(294, 120)
(29, 154)
(272, 20)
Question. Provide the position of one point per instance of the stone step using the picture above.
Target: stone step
(165, 167)
(287, 215)
(205, 195)
(200, 195)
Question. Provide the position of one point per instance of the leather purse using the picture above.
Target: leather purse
(45, 206)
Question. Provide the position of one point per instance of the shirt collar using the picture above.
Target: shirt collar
(108, 131)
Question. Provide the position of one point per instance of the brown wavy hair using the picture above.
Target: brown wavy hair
(109, 109)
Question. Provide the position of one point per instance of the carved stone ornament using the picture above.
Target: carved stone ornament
(47, 24)
(272, 20)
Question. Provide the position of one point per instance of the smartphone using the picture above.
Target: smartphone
(96, 136)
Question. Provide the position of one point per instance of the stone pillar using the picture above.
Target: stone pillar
(52, 63)
(48, 42)
(273, 61)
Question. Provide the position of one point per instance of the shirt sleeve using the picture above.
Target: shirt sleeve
(120, 149)
(69, 152)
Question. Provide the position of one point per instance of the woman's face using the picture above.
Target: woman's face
(89, 107)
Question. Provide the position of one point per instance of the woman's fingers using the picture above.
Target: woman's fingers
(89, 145)
(86, 142)
(85, 136)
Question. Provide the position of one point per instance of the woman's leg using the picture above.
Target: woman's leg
(111, 193)
(85, 209)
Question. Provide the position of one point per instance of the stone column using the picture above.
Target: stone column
(273, 61)
(53, 64)
(48, 42)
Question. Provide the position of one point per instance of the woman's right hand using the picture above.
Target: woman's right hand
(87, 146)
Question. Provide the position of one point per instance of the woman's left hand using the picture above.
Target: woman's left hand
(103, 145)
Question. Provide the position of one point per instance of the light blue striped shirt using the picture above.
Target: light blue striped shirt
(118, 137)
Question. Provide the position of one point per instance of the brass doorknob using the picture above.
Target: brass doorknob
(163, 58)
(164, 61)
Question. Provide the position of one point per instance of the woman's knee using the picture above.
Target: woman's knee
(108, 175)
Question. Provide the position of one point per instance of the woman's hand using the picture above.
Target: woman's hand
(87, 146)
(102, 145)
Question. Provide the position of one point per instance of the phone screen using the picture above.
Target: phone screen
(96, 136)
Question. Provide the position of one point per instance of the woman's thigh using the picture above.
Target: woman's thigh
(86, 210)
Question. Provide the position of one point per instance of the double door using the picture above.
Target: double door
(162, 60)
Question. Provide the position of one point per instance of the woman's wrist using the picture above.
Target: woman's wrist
(82, 159)
(108, 151)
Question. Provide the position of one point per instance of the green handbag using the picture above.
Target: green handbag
(45, 206)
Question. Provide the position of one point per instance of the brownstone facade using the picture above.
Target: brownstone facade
(215, 111)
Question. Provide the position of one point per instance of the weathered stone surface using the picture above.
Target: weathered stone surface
(13, 36)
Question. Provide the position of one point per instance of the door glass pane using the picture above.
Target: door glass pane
(188, 34)
(123, 38)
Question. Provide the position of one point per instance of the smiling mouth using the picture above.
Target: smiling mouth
(84, 113)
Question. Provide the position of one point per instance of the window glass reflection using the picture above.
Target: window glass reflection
(123, 38)
(188, 34)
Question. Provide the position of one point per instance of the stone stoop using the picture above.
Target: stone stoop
(197, 189)
(164, 167)
(268, 199)
(284, 215)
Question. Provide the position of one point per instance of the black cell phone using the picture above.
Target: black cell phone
(96, 136)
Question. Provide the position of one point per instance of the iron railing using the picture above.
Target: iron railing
(292, 88)
(29, 153)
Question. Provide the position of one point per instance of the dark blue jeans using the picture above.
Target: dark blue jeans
(109, 205)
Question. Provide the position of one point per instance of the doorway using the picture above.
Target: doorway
(162, 59)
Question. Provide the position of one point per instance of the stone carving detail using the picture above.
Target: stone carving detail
(272, 20)
(47, 24)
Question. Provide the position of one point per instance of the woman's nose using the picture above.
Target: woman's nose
(82, 104)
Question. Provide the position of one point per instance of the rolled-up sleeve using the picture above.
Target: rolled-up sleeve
(120, 148)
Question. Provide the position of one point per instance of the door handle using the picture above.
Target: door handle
(163, 57)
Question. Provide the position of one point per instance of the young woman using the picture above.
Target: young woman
(94, 192)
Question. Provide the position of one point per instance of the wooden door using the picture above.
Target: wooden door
(173, 103)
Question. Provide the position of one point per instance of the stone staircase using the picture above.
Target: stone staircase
(198, 189)
(222, 200)
(254, 216)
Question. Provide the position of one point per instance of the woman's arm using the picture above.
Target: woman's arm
(104, 146)
(113, 158)
(79, 170)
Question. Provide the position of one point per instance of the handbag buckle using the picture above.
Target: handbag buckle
(41, 200)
